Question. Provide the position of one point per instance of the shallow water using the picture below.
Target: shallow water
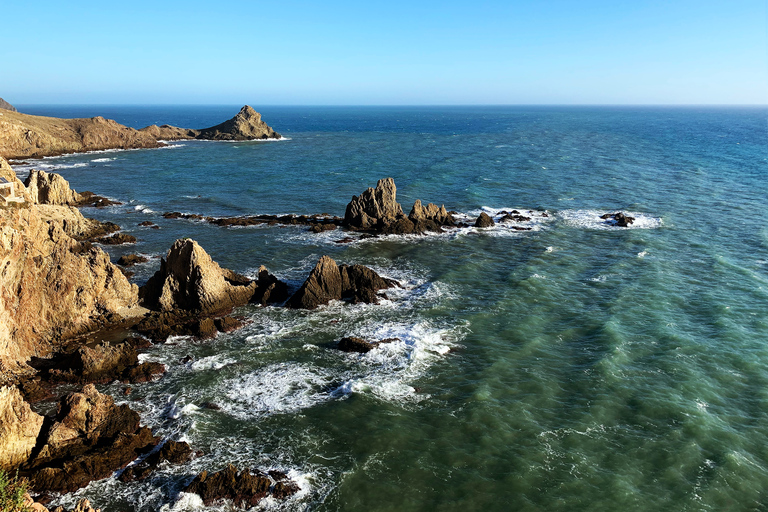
(576, 366)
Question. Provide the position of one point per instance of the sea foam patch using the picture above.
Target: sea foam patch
(590, 219)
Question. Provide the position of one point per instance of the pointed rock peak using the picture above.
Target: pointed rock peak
(248, 112)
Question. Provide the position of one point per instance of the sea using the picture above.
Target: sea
(573, 366)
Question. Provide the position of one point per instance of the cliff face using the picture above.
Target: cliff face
(51, 286)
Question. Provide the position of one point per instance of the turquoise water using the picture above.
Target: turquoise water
(575, 366)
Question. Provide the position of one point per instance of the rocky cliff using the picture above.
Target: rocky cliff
(246, 125)
(52, 286)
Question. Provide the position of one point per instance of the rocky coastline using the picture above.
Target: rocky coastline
(57, 286)
(27, 136)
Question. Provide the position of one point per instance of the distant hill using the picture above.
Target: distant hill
(7, 106)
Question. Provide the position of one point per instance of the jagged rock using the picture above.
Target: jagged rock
(246, 125)
(374, 207)
(175, 452)
(88, 440)
(360, 284)
(269, 289)
(74, 224)
(43, 268)
(116, 239)
(190, 280)
(484, 221)
(19, 428)
(129, 260)
(159, 325)
(7, 106)
(431, 212)
(509, 217)
(619, 218)
(243, 488)
(50, 188)
(353, 344)
(328, 282)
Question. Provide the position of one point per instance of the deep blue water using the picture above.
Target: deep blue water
(576, 366)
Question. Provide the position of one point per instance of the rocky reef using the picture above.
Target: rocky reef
(377, 211)
(26, 136)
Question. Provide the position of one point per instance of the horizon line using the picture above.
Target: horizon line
(134, 104)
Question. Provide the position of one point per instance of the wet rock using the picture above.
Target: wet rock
(322, 286)
(353, 344)
(158, 326)
(228, 324)
(144, 372)
(242, 488)
(88, 198)
(89, 438)
(328, 282)
(189, 280)
(128, 260)
(174, 452)
(374, 207)
(360, 284)
(514, 218)
(116, 239)
(146, 223)
(269, 289)
(619, 218)
(319, 228)
(484, 221)
(19, 428)
(431, 212)
(400, 226)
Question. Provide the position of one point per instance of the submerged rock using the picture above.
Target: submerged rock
(90, 438)
(242, 488)
(129, 260)
(353, 344)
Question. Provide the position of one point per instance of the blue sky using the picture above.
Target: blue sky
(380, 53)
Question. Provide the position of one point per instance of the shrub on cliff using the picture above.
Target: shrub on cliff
(12, 492)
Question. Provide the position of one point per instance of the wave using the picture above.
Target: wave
(590, 219)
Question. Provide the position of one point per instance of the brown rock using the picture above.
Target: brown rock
(484, 221)
(129, 260)
(7, 106)
(50, 188)
(190, 280)
(246, 125)
(322, 286)
(360, 283)
(19, 428)
(374, 207)
(243, 488)
(116, 239)
(269, 289)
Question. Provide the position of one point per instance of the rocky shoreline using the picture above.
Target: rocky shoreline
(56, 286)
(27, 136)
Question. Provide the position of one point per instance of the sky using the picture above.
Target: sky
(295, 52)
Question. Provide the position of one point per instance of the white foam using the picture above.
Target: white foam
(642, 254)
(187, 501)
(101, 160)
(590, 219)
(278, 388)
(143, 209)
(215, 362)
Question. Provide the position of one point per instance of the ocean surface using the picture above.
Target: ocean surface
(575, 366)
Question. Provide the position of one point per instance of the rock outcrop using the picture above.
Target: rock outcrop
(361, 346)
(329, 281)
(377, 211)
(242, 488)
(19, 428)
(619, 219)
(246, 125)
(50, 188)
(190, 280)
(7, 106)
(374, 207)
(89, 438)
(51, 286)
(484, 221)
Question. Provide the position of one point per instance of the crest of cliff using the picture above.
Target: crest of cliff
(246, 125)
